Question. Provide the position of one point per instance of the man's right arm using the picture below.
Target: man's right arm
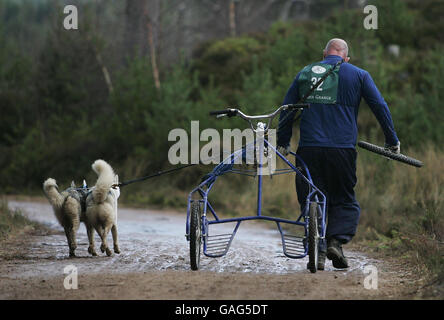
(379, 107)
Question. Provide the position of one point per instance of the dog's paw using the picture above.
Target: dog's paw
(108, 252)
(92, 251)
(72, 254)
(102, 248)
(116, 250)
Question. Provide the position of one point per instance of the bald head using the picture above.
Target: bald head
(337, 47)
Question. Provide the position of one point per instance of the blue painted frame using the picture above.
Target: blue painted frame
(314, 195)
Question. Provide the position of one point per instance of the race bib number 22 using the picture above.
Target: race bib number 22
(327, 91)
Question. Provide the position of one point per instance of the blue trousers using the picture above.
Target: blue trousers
(333, 171)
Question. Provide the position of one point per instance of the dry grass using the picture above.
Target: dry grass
(402, 207)
(14, 222)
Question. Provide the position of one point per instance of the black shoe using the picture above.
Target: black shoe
(334, 253)
(321, 261)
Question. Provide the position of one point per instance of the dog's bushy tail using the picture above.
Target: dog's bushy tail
(51, 191)
(104, 182)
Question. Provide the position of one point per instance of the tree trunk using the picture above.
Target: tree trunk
(152, 46)
(232, 15)
(135, 27)
(153, 56)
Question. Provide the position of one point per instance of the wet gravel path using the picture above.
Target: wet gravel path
(153, 244)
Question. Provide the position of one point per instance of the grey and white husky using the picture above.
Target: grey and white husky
(67, 206)
(101, 208)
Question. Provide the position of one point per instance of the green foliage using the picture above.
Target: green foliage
(26, 22)
(58, 110)
(285, 50)
(395, 19)
(325, 8)
(132, 101)
(224, 60)
(429, 23)
(418, 111)
(15, 87)
(172, 110)
(257, 95)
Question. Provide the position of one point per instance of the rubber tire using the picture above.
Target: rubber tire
(399, 157)
(195, 235)
(313, 238)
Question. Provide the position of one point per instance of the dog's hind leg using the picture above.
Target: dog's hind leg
(115, 239)
(104, 246)
(70, 236)
(72, 211)
(101, 231)
(90, 232)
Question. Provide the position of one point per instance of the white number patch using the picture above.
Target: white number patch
(315, 80)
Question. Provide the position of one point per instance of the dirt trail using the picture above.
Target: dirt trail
(154, 264)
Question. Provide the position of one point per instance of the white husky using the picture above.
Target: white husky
(101, 208)
(67, 207)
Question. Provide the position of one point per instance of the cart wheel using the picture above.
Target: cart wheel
(195, 235)
(313, 238)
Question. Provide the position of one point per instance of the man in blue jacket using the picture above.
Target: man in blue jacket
(328, 134)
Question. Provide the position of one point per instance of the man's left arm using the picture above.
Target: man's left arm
(380, 109)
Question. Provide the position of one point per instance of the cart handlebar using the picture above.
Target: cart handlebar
(226, 112)
(231, 112)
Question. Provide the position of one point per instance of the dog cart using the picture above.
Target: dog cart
(202, 216)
